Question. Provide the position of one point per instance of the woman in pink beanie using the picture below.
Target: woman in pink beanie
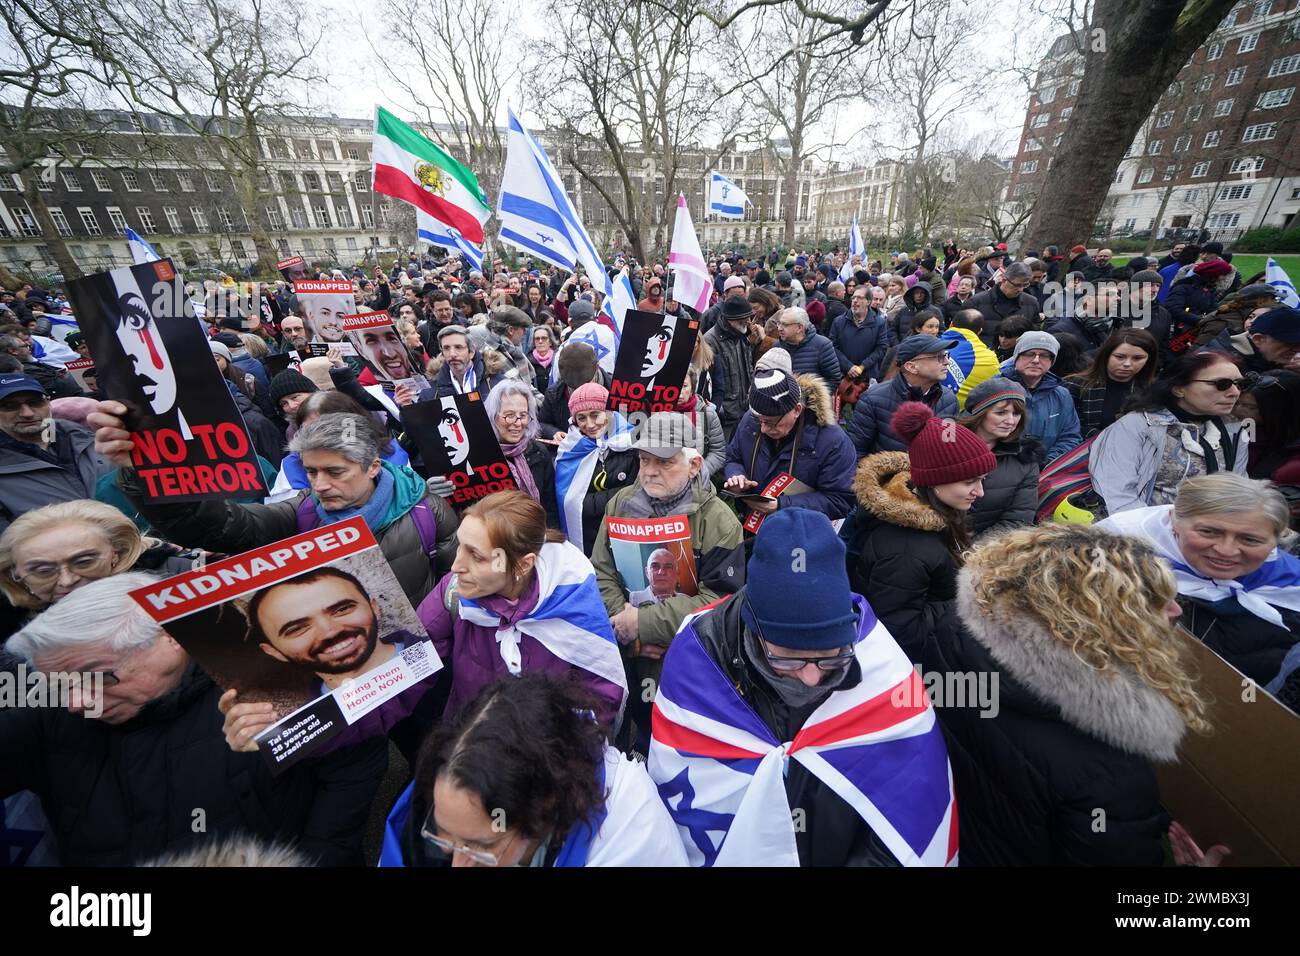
(914, 506)
(594, 460)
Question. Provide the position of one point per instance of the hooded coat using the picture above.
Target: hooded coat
(735, 356)
(905, 316)
(1061, 742)
(904, 569)
(824, 457)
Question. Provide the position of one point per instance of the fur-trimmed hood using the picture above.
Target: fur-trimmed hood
(494, 363)
(817, 399)
(1117, 708)
(880, 485)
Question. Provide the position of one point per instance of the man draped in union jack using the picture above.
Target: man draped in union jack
(790, 729)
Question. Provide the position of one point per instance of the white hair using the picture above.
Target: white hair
(794, 312)
(1225, 493)
(100, 612)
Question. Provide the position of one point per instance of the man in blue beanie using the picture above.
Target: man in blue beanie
(790, 728)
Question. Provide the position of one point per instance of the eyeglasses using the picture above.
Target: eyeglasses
(790, 665)
(17, 404)
(513, 416)
(1036, 356)
(482, 857)
(1223, 384)
(47, 573)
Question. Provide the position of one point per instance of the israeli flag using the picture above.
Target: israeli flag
(538, 217)
(440, 234)
(855, 249)
(1276, 276)
(141, 251)
(726, 199)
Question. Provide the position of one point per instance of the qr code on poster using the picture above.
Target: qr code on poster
(417, 659)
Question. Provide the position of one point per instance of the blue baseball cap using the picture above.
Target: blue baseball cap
(1282, 323)
(11, 384)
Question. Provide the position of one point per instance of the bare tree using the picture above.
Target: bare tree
(454, 78)
(626, 88)
(222, 71)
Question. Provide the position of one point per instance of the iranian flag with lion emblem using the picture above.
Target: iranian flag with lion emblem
(410, 167)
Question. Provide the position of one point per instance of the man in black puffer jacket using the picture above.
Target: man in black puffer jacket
(138, 781)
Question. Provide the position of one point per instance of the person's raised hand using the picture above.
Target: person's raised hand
(405, 393)
(335, 356)
(243, 722)
(1188, 853)
(112, 440)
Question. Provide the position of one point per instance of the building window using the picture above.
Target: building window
(1164, 119)
(1191, 195)
(1073, 88)
(186, 181)
(322, 217)
(1065, 113)
(1211, 139)
(1247, 164)
(1214, 52)
(1193, 113)
(353, 154)
(335, 182)
(1200, 169)
(1031, 166)
(367, 217)
(200, 219)
(344, 215)
(60, 221)
(1057, 140)
(1155, 147)
(26, 221)
(1248, 43)
(1259, 132)
(145, 218)
(326, 149)
(70, 181)
(132, 181)
(351, 243)
(1047, 95)
(1042, 119)
(173, 218)
(1235, 192)
(1235, 76)
(1207, 81)
(1032, 145)
(1223, 107)
(1182, 144)
(159, 183)
(88, 220)
(45, 180)
(287, 183)
(1223, 220)
(101, 181)
(227, 220)
(1146, 175)
(1287, 64)
(1168, 174)
(361, 181)
(273, 218)
(1263, 8)
(298, 216)
(311, 181)
(1119, 175)
(117, 219)
(213, 182)
(1274, 99)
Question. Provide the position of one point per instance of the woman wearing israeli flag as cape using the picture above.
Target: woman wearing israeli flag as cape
(1240, 594)
(594, 461)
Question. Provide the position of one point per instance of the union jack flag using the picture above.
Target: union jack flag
(720, 769)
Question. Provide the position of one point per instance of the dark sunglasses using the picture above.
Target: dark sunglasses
(1223, 384)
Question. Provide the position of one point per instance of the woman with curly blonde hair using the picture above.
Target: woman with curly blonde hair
(1069, 635)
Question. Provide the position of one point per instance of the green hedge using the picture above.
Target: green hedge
(1268, 239)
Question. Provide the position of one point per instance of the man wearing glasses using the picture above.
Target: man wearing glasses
(43, 460)
(1053, 419)
(1005, 298)
(785, 676)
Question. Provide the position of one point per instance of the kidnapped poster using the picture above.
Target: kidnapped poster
(190, 443)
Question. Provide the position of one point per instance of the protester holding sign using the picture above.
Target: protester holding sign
(156, 742)
(526, 753)
(790, 429)
(521, 600)
(512, 407)
(594, 461)
(341, 456)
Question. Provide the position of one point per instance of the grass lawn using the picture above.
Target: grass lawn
(1246, 264)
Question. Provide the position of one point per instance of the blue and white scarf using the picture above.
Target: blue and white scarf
(576, 462)
(471, 379)
(1274, 584)
(569, 620)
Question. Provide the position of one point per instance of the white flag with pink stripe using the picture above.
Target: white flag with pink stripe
(692, 282)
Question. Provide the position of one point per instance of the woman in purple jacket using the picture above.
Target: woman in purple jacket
(521, 599)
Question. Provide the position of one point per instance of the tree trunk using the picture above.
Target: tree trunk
(246, 187)
(1132, 53)
(57, 245)
(790, 187)
(1155, 226)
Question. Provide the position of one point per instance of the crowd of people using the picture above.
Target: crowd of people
(1037, 471)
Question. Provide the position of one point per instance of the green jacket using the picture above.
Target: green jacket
(718, 543)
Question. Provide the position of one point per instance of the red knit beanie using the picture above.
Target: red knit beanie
(1078, 250)
(940, 450)
(591, 397)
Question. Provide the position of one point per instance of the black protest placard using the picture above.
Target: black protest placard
(654, 353)
(456, 439)
(191, 444)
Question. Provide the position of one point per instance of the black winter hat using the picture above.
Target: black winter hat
(290, 382)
